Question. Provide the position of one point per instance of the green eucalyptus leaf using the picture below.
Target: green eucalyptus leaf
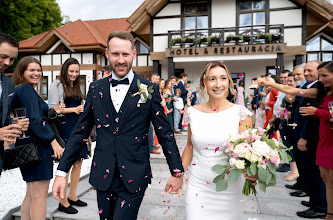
(272, 181)
(262, 174)
(289, 157)
(221, 185)
(254, 168)
(233, 176)
(284, 156)
(138, 83)
(269, 177)
(219, 169)
(271, 166)
(217, 178)
(149, 96)
(249, 172)
(145, 95)
(150, 89)
(262, 186)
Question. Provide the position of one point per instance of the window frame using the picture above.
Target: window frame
(320, 52)
(196, 15)
(44, 84)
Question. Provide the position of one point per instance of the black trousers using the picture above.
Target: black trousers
(317, 190)
(117, 203)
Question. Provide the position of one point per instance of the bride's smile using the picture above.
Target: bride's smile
(217, 82)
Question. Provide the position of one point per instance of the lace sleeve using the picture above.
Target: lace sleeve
(244, 112)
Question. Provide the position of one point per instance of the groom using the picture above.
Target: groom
(120, 168)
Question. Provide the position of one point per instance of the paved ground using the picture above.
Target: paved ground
(275, 204)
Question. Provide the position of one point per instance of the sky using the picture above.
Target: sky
(98, 9)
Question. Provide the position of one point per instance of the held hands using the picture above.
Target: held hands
(58, 188)
(24, 123)
(10, 133)
(306, 111)
(57, 149)
(174, 185)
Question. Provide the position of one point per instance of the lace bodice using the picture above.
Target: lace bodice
(209, 133)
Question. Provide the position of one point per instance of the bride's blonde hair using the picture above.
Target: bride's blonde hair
(204, 75)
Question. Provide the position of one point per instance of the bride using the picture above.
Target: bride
(210, 125)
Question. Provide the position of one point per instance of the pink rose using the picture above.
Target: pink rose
(261, 131)
(255, 137)
(229, 145)
(275, 160)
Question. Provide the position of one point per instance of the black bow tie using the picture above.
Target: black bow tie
(115, 82)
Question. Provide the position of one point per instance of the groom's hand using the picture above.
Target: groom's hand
(58, 188)
(174, 184)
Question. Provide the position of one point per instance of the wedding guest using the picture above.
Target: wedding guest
(260, 116)
(155, 78)
(169, 105)
(183, 95)
(210, 125)
(308, 138)
(298, 72)
(240, 93)
(173, 80)
(67, 89)
(161, 84)
(8, 53)
(178, 107)
(291, 80)
(107, 70)
(269, 101)
(27, 75)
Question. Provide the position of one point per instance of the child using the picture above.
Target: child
(260, 116)
(178, 105)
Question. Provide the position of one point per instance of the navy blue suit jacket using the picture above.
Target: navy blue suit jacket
(183, 90)
(127, 145)
(7, 96)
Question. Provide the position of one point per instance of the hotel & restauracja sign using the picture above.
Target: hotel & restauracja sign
(226, 50)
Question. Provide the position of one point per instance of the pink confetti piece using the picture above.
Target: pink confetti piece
(169, 152)
(44, 123)
(216, 149)
(228, 172)
(114, 132)
(82, 127)
(100, 211)
(145, 177)
(122, 203)
(94, 164)
(105, 176)
(159, 127)
(107, 170)
(107, 115)
(208, 182)
(110, 79)
(157, 113)
(214, 110)
(123, 167)
(193, 164)
(97, 119)
(107, 125)
(117, 120)
(101, 94)
(98, 126)
(300, 92)
(130, 181)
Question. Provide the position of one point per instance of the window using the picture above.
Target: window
(320, 49)
(83, 84)
(196, 15)
(44, 87)
(251, 12)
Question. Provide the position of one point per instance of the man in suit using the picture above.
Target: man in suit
(120, 168)
(183, 95)
(8, 53)
(308, 138)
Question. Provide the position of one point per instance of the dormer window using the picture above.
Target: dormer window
(319, 49)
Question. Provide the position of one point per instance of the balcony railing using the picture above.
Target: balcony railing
(256, 34)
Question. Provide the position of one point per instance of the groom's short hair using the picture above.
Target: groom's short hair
(122, 35)
(7, 38)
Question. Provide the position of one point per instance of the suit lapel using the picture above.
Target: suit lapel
(107, 104)
(129, 103)
(4, 99)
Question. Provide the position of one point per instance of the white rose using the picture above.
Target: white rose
(232, 161)
(248, 155)
(143, 86)
(262, 164)
(254, 158)
(274, 153)
(241, 149)
(240, 164)
(260, 148)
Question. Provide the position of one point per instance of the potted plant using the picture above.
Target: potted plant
(174, 41)
(246, 38)
(187, 40)
(276, 37)
(230, 37)
(214, 40)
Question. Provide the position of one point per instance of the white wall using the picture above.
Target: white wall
(160, 43)
(162, 26)
(77, 56)
(56, 59)
(286, 17)
(223, 13)
(46, 60)
(88, 58)
(280, 4)
(64, 57)
(293, 36)
(170, 9)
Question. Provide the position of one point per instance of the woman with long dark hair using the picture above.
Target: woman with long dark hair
(67, 89)
(27, 76)
(323, 94)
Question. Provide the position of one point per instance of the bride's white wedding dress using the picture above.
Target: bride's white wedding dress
(209, 133)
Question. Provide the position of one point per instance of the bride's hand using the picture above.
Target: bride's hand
(252, 178)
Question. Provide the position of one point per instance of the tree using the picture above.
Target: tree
(26, 18)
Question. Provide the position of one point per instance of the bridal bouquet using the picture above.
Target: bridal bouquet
(254, 153)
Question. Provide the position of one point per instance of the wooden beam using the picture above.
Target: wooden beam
(157, 56)
(296, 50)
(142, 68)
(82, 67)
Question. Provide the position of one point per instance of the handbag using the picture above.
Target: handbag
(21, 156)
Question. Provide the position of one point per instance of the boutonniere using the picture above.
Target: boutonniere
(144, 91)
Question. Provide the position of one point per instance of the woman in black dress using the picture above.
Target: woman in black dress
(27, 75)
(67, 89)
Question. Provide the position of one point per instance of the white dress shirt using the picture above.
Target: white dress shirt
(118, 94)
